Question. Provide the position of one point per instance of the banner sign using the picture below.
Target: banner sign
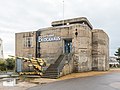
(49, 38)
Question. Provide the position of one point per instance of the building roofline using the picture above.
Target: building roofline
(25, 32)
(72, 21)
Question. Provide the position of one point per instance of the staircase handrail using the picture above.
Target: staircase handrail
(59, 52)
(62, 63)
(67, 58)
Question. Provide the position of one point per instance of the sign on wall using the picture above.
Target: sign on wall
(49, 38)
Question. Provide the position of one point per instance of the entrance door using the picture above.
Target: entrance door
(68, 46)
(19, 65)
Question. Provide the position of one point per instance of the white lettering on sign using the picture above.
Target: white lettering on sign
(48, 38)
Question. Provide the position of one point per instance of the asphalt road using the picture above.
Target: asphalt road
(109, 81)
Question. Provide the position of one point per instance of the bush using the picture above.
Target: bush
(2, 65)
(10, 63)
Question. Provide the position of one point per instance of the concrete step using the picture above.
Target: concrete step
(50, 76)
(51, 71)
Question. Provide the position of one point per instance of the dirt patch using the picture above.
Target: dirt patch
(43, 80)
(115, 70)
(84, 74)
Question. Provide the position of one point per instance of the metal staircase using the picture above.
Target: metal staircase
(53, 70)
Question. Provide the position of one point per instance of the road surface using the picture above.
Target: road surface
(110, 81)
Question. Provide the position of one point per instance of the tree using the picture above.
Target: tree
(117, 53)
(2, 65)
(10, 63)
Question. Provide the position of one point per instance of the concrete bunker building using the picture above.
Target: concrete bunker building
(68, 46)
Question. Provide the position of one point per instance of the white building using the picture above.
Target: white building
(113, 62)
(1, 48)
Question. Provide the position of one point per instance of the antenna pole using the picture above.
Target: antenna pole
(63, 12)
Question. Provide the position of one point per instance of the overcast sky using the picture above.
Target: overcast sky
(31, 15)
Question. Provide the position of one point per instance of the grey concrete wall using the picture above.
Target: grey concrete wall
(82, 48)
(68, 68)
(50, 51)
(100, 50)
(22, 51)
